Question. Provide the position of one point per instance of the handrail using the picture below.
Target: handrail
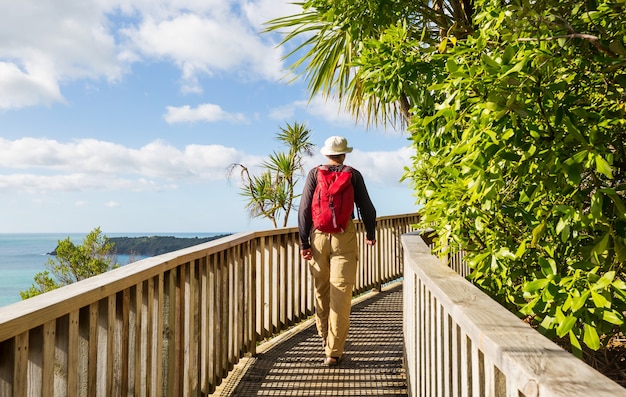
(460, 343)
(177, 323)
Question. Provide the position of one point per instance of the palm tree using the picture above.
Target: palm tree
(271, 195)
(337, 33)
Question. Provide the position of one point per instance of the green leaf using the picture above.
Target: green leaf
(521, 249)
(518, 66)
(604, 281)
(537, 233)
(599, 300)
(478, 224)
(535, 285)
(577, 349)
(548, 266)
(451, 65)
(565, 326)
(613, 317)
(619, 284)
(490, 63)
(579, 301)
(443, 45)
(603, 167)
(527, 309)
(617, 200)
(591, 338)
(547, 323)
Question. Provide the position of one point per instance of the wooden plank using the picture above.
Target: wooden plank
(423, 338)
(20, 372)
(73, 352)
(151, 355)
(213, 328)
(232, 303)
(92, 365)
(185, 350)
(264, 293)
(437, 349)
(204, 327)
(140, 345)
(34, 366)
(271, 286)
(125, 343)
(241, 301)
(466, 366)
(455, 359)
(61, 357)
(178, 324)
(113, 350)
(159, 325)
(281, 282)
(7, 367)
(220, 290)
(224, 308)
(48, 364)
(193, 376)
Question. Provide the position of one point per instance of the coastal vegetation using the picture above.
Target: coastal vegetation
(156, 245)
(98, 254)
(74, 262)
(516, 113)
(152, 245)
(271, 194)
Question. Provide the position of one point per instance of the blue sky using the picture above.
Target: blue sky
(125, 114)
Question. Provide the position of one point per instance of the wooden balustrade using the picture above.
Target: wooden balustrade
(461, 343)
(174, 324)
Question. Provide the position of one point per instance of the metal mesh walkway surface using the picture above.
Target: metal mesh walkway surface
(292, 365)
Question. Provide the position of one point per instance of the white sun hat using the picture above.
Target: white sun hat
(335, 145)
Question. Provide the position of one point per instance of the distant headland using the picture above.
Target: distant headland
(153, 245)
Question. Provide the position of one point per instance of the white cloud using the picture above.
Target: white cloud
(112, 204)
(87, 164)
(261, 11)
(383, 168)
(203, 44)
(48, 44)
(327, 109)
(36, 165)
(207, 112)
(283, 112)
(20, 88)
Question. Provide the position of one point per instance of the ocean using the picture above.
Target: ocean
(24, 255)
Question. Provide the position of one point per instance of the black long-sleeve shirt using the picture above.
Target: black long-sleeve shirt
(361, 199)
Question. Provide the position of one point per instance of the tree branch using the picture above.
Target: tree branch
(594, 40)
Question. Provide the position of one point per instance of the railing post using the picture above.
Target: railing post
(377, 266)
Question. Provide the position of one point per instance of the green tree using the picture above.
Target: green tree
(364, 54)
(517, 114)
(73, 263)
(271, 194)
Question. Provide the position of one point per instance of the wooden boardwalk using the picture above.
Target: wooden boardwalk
(291, 365)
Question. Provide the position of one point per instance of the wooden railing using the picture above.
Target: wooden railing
(461, 343)
(175, 324)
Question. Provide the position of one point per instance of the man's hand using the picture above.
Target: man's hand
(307, 253)
(370, 242)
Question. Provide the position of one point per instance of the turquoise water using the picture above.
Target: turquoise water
(24, 255)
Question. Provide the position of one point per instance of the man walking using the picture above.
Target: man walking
(328, 239)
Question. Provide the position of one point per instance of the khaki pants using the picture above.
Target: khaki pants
(334, 271)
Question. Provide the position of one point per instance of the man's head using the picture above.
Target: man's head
(335, 146)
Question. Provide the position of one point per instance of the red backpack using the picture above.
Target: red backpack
(333, 201)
